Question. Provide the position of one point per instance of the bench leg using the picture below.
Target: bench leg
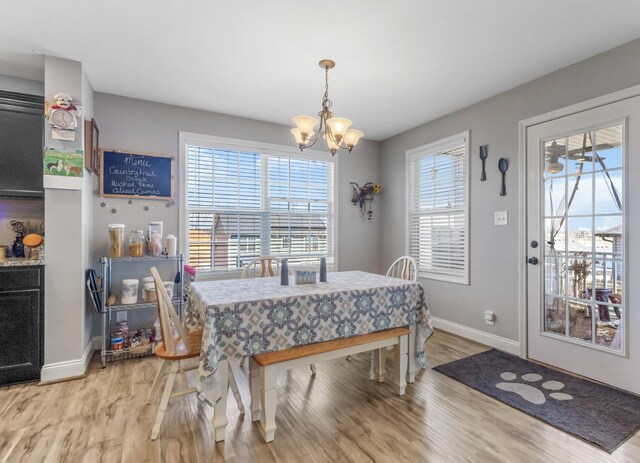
(401, 354)
(377, 371)
(254, 386)
(220, 420)
(411, 372)
(269, 399)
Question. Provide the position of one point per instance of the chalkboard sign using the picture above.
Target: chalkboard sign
(137, 175)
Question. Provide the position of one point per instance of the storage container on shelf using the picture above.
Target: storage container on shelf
(129, 293)
(150, 292)
(155, 238)
(116, 240)
(136, 243)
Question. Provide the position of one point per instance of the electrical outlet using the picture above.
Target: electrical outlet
(121, 316)
(501, 218)
(489, 317)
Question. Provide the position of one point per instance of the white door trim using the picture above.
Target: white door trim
(523, 125)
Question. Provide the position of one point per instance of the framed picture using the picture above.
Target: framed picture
(92, 146)
(127, 174)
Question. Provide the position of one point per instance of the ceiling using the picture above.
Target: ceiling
(399, 63)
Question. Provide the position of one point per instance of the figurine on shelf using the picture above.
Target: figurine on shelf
(18, 244)
(63, 117)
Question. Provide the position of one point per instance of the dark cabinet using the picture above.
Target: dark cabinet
(21, 145)
(21, 324)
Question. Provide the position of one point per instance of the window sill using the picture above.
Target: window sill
(444, 278)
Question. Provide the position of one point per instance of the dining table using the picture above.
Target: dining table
(244, 317)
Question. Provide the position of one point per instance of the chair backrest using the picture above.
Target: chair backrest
(167, 314)
(404, 267)
(189, 277)
(264, 266)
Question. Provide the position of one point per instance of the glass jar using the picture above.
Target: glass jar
(116, 240)
(136, 243)
(149, 292)
(155, 238)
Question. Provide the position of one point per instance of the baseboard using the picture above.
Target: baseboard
(97, 342)
(61, 371)
(491, 340)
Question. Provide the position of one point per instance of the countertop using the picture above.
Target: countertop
(20, 262)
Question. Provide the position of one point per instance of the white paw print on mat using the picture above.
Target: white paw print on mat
(532, 393)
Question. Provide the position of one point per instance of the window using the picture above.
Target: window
(438, 215)
(244, 201)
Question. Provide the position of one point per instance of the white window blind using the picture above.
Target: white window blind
(438, 209)
(244, 203)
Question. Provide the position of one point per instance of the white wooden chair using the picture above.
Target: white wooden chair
(265, 266)
(172, 350)
(405, 268)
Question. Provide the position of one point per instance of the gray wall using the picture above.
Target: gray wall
(137, 125)
(67, 223)
(87, 209)
(494, 254)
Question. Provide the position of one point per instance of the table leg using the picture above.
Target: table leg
(220, 420)
(411, 371)
(401, 364)
(377, 371)
(269, 399)
(254, 387)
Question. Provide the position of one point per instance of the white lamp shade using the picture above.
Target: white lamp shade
(338, 126)
(352, 137)
(305, 123)
(300, 140)
(554, 167)
(333, 146)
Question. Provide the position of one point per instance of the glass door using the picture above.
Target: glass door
(583, 197)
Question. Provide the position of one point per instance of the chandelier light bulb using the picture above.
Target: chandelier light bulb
(352, 137)
(302, 139)
(305, 123)
(332, 145)
(339, 127)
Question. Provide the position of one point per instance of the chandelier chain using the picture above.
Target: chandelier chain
(326, 102)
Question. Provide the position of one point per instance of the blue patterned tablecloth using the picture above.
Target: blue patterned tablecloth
(250, 316)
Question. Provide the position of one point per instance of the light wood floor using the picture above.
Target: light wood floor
(340, 416)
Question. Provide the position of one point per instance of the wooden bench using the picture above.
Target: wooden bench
(264, 368)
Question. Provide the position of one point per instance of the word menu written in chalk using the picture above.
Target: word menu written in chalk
(149, 176)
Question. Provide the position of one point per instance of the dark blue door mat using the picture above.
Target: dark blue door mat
(571, 404)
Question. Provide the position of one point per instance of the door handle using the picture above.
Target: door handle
(533, 260)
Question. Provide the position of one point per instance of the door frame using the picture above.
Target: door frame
(523, 125)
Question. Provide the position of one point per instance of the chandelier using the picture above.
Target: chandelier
(334, 130)
(553, 166)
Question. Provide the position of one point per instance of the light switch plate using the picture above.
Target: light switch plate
(501, 218)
